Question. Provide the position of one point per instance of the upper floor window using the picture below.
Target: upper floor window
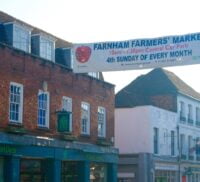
(198, 115)
(47, 48)
(67, 106)
(155, 140)
(94, 74)
(85, 118)
(43, 109)
(190, 114)
(101, 122)
(172, 143)
(21, 37)
(190, 147)
(16, 102)
(182, 112)
(183, 148)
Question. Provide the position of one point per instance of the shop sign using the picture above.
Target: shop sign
(93, 157)
(137, 54)
(8, 149)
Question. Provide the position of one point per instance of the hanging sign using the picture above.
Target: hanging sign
(137, 54)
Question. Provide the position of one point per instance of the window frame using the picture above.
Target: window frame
(156, 140)
(103, 135)
(87, 132)
(172, 143)
(42, 46)
(25, 30)
(47, 110)
(20, 104)
(68, 109)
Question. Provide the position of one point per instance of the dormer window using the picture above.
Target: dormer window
(47, 48)
(94, 74)
(43, 46)
(18, 36)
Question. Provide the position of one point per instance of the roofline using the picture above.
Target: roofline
(147, 106)
(186, 95)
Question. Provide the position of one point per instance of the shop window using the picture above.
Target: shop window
(85, 118)
(16, 102)
(98, 172)
(1, 170)
(21, 37)
(31, 170)
(101, 122)
(69, 171)
(43, 109)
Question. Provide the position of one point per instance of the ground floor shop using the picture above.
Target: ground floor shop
(67, 162)
(190, 172)
(166, 172)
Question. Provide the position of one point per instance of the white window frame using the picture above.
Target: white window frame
(46, 125)
(20, 104)
(67, 106)
(94, 74)
(23, 30)
(87, 116)
(44, 42)
(102, 111)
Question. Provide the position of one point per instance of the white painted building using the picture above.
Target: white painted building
(158, 115)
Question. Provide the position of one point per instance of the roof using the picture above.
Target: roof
(157, 82)
(60, 43)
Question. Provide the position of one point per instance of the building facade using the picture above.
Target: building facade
(159, 116)
(55, 125)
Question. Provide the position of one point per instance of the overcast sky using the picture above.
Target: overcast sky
(84, 21)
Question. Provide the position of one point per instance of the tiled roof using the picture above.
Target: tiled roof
(157, 82)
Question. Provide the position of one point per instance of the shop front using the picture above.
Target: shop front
(56, 161)
(166, 172)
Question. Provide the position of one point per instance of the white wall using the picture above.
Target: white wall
(134, 129)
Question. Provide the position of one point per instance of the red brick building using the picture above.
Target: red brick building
(50, 116)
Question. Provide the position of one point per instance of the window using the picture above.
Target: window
(101, 122)
(67, 106)
(172, 143)
(21, 38)
(190, 114)
(47, 48)
(190, 148)
(43, 109)
(85, 118)
(182, 112)
(197, 116)
(94, 74)
(183, 146)
(16, 102)
(155, 139)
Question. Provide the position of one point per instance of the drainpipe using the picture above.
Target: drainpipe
(179, 154)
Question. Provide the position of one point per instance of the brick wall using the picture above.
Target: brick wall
(17, 66)
(168, 102)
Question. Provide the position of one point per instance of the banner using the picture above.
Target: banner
(137, 54)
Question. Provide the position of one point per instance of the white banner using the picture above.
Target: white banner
(137, 54)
